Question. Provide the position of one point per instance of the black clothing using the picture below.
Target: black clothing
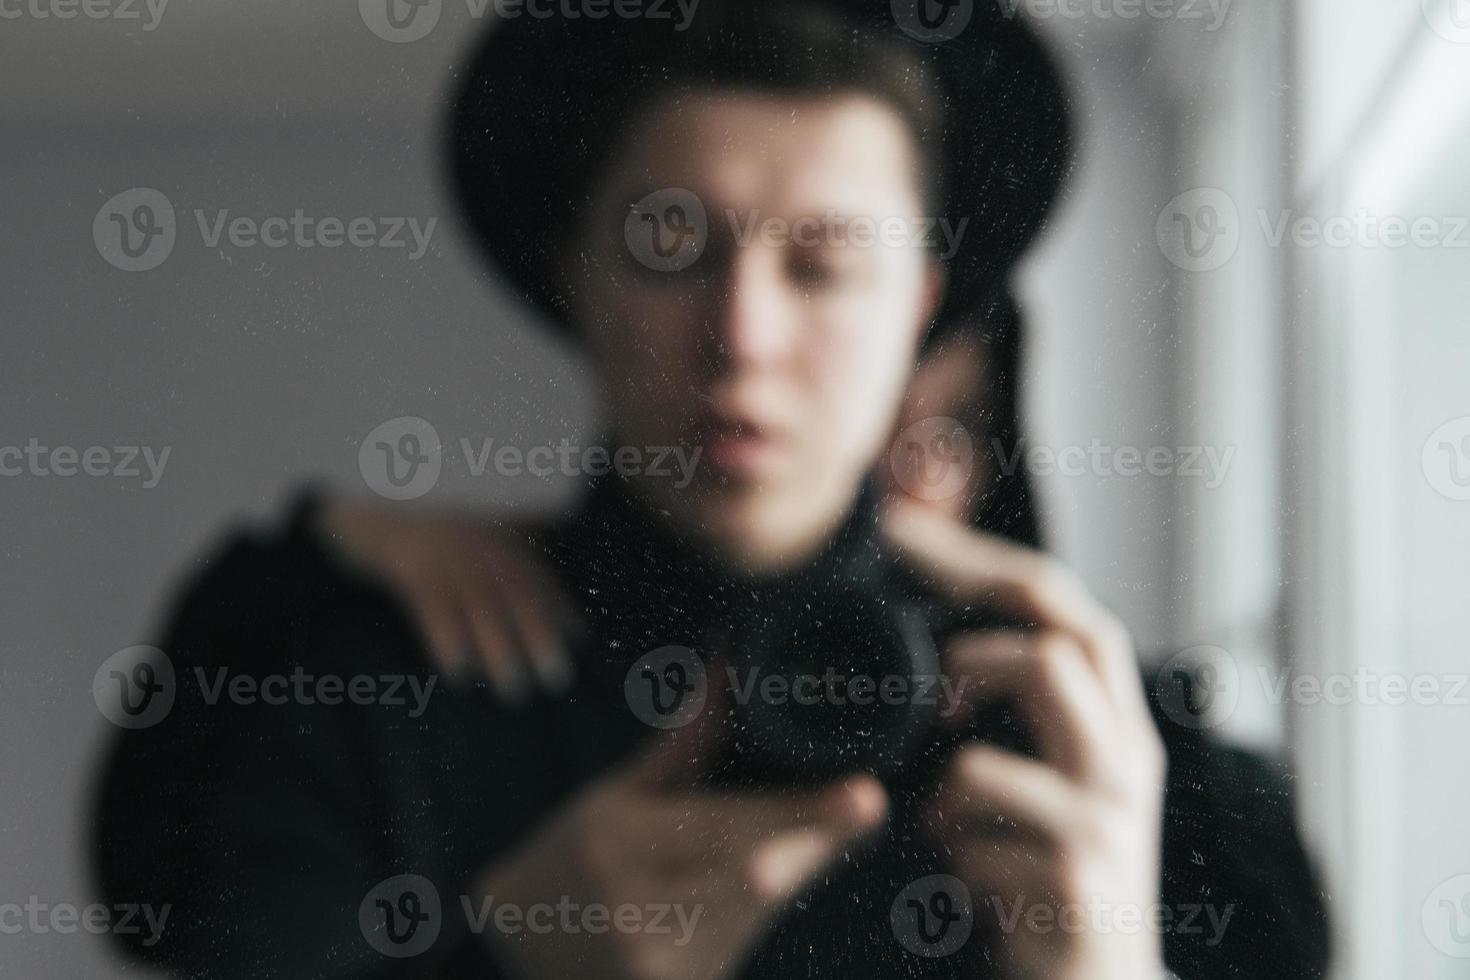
(265, 826)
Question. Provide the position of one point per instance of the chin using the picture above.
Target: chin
(767, 524)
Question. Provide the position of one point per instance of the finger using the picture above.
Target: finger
(772, 842)
(755, 849)
(1059, 696)
(815, 832)
(679, 757)
(525, 547)
(985, 790)
(494, 643)
(439, 622)
(507, 580)
(853, 802)
(969, 567)
(1006, 868)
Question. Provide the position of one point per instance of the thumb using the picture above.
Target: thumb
(679, 756)
(835, 817)
(969, 566)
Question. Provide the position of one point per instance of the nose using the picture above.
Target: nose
(753, 318)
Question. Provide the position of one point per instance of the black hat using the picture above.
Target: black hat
(540, 105)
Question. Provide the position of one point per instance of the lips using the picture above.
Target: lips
(740, 444)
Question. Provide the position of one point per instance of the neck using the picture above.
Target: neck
(754, 533)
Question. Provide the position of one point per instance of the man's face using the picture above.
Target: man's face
(782, 350)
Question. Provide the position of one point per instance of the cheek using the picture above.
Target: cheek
(865, 368)
(640, 342)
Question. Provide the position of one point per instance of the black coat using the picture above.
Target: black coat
(265, 826)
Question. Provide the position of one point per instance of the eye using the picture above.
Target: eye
(814, 268)
(806, 270)
(705, 266)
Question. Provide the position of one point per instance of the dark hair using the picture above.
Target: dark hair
(1007, 506)
(803, 51)
(810, 49)
(987, 112)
